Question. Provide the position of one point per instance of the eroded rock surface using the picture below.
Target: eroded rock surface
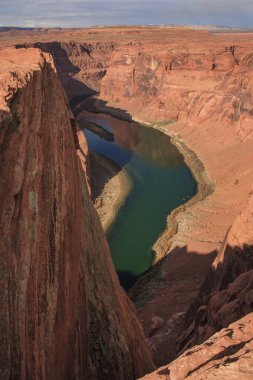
(63, 313)
(226, 294)
(226, 355)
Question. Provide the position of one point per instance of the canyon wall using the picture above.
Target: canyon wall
(226, 294)
(80, 66)
(226, 355)
(63, 312)
(223, 303)
(184, 80)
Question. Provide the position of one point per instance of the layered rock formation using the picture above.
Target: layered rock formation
(80, 66)
(63, 312)
(226, 355)
(226, 294)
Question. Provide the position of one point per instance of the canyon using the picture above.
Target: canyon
(195, 86)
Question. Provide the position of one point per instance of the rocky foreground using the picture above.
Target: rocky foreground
(63, 313)
(197, 87)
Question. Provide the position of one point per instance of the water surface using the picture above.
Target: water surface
(162, 182)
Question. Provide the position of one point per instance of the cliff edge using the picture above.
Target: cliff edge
(63, 312)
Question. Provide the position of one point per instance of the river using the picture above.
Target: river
(161, 182)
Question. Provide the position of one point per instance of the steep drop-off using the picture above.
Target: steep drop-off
(227, 293)
(226, 355)
(63, 313)
(80, 66)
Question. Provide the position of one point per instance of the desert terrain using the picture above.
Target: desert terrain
(193, 85)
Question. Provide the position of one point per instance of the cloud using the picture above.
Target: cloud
(81, 13)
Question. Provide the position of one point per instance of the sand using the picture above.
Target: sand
(110, 187)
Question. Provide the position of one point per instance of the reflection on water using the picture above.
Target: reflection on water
(126, 134)
(161, 180)
(153, 147)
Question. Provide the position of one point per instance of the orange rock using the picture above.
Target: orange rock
(226, 355)
(63, 313)
(198, 86)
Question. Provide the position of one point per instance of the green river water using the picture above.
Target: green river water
(161, 182)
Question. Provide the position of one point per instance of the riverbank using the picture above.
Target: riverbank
(110, 186)
(205, 187)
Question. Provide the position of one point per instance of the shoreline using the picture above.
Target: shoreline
(115, 186)
(205, 187)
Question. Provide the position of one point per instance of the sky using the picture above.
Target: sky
(84, 13)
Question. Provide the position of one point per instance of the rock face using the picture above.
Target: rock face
(225, 297)
(226, 355)
(80, 66)
(226, 294)
(63, 313)
(193, 82)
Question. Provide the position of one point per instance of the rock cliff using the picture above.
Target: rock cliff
(226, 355)
(224, 303)
(226, 294)
(80, 65)
(63, 312)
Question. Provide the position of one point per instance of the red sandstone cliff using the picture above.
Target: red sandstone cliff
(63, 313)
(224, 303)
(226, 355)
(227, 292)
(80, 66)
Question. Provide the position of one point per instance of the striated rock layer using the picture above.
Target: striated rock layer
(227, 293)
(224, 303)
(63, 313)
(226, 355)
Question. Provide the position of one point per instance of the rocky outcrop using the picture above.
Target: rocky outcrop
(80, 65)
(226, 355)
(63, 313)
(174, 82)
(226, 294)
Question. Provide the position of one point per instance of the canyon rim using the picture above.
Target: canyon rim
(64, 314)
